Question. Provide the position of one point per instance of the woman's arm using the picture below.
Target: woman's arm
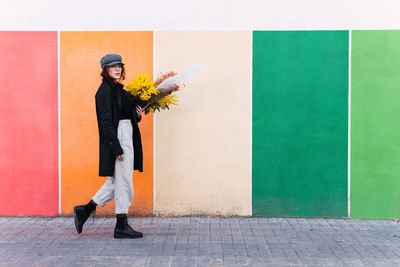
(103, 103)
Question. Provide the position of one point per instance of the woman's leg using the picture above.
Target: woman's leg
(106, 193)
(124, 169)
(123, 183)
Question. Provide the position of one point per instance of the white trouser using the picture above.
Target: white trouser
(120, 185)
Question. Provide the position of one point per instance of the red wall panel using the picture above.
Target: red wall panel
(28, 124)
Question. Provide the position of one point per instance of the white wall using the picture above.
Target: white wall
(199, 15)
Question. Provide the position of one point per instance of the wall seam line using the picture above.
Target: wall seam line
(59, 122)
(154, 130)
(251, 123)
(349, 135)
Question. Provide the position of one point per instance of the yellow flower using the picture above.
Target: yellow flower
(167, 100)
(142, 86)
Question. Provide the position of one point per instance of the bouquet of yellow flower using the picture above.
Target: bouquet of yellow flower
(155, 96)
(149, 98)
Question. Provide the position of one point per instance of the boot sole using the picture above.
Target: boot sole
(127, 236)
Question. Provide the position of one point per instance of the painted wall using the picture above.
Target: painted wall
(375, 132)
(262, 131)
(80, 54)
(203, 145)
(28, 124)
(300, 94)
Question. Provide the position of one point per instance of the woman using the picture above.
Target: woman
(120, 147)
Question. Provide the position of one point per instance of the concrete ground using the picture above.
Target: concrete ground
(201, 241)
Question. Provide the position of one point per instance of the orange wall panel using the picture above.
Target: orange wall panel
(80, 54)
(28, 124)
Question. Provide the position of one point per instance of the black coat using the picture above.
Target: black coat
(108, 106)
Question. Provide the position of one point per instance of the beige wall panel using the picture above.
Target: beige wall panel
(203, 145)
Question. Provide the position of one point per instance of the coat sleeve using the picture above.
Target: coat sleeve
(103, 103)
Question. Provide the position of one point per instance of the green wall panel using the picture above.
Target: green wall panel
(300, 117)
(375, 129)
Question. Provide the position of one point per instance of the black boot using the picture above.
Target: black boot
(82, 213)
(123, 230)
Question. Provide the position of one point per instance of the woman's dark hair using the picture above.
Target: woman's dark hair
(104, 74)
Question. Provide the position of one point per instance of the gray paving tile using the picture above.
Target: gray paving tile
(201, 241)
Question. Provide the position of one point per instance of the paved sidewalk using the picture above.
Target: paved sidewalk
(30, 241)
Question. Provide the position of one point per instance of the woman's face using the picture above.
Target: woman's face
(115, 71)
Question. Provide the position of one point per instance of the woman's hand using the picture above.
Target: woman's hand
(120, 157)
